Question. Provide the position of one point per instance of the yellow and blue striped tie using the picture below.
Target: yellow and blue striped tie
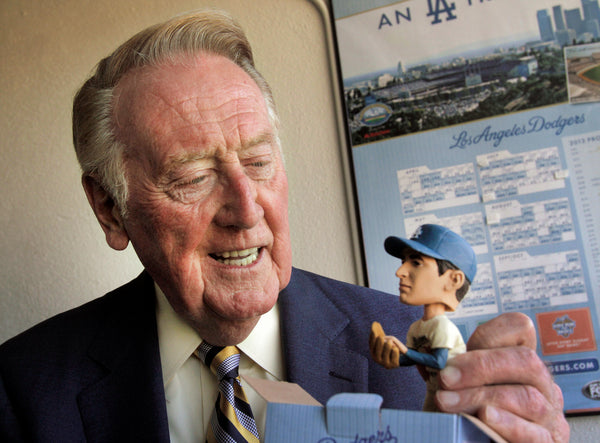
(232, 420)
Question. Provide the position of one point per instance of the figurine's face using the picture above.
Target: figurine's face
(420, 282)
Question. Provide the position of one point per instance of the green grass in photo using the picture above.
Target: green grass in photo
(593, 74)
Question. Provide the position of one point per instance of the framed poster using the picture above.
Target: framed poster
(483, 116)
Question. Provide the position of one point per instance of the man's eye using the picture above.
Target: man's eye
(193, 189)
(259, 163)
(195, 181)
(260, 169)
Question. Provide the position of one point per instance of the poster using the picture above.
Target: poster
(484, 116)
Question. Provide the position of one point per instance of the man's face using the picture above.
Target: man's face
(420, 282)
(207, 206)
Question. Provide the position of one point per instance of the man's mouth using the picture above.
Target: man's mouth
(243, 257)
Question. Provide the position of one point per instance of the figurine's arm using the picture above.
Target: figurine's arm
(437, 359)
(390, 352)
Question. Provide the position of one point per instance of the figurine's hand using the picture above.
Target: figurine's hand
(385, 349)
(503, 382)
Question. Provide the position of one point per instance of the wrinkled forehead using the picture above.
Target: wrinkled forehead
(182, 86)
(204, 100)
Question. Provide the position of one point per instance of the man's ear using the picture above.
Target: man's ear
(456, 279)
(107, 213)
(453, 280)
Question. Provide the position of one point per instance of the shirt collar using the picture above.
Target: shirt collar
(177, 340)
(263, 345)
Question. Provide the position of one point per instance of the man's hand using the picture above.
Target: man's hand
(502, 381)
(385, 349)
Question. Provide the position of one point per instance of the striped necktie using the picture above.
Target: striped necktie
(232, 420)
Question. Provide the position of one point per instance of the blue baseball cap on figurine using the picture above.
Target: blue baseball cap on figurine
(438, 242)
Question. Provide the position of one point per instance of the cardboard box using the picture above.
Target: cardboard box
(293, 416)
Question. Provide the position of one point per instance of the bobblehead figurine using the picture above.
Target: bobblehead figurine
(437, 269)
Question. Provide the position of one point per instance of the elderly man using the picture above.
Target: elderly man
(176, 133)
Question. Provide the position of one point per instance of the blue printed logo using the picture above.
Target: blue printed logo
(573, 366)
(564, 326)
(379, 437)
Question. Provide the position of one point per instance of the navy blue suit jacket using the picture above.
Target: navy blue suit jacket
(93, 373)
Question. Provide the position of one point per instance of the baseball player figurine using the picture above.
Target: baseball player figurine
(437, 269)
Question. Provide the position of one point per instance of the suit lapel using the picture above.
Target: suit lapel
(124, 396)
(313, 337)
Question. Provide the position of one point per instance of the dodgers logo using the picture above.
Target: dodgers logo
(417, 233)
(564, 326)
(375, 114)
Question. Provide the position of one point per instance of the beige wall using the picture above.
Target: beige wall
(53, 251)
(53, 254)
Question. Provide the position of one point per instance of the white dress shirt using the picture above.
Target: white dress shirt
(191, 388)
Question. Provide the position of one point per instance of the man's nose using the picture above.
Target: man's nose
(401, 271)
(240, 208)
